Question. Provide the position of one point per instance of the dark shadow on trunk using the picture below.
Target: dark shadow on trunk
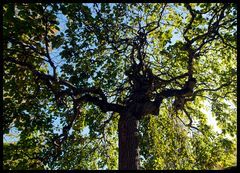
(128, 143)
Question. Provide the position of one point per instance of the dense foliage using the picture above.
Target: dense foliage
(69, 68)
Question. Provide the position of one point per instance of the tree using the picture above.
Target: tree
(132, 75)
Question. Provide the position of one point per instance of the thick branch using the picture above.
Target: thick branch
(207, 89)
(160, 81)
(42, 76)
(103, 104)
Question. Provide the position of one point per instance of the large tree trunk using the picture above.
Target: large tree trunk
(128, 143)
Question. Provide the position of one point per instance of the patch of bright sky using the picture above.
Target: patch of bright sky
(12, 136)
(211, 120)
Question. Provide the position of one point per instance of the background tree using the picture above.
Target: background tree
(88, 85)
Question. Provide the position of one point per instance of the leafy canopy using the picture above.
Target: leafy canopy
(53, 50)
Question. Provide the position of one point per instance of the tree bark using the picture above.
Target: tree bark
(128, 143)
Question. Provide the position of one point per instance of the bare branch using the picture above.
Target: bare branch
(207, 89)
(172, 79)
(193, 15)
(28, 46)
(103, 104)
(224, 42)
(47, 47)
(186, 125)
(158, 22)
